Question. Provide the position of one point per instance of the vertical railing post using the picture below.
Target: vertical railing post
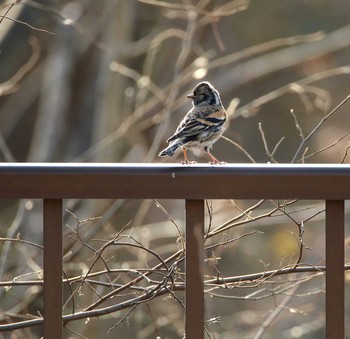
(335, 269)
(52, 269)
(194, 318)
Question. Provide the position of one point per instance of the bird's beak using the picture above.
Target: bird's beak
(190, 96)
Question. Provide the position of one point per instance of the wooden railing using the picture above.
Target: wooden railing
(194, 184)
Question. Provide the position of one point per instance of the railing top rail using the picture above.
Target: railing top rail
(96, 166)
(174, 181)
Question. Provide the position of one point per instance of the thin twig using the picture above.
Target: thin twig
(26, 24)
(266, 147)
(23, 242)
(297, 125)
(15, 2)
(240, 148)
(11, 85)
(274, 314)
(123, 318)
(316, 128)
(180, 235)
(334, 143)
(345, 154)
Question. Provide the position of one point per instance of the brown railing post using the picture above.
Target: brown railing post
(335, 269)
(194, 316)
(52, 269)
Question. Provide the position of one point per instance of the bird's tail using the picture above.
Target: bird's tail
(170, 150)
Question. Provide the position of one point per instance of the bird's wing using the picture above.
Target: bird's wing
(198, 121)
(190, 126)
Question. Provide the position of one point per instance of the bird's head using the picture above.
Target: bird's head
(205, 94)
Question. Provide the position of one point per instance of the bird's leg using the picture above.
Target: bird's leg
(214, 160)
(186, 161)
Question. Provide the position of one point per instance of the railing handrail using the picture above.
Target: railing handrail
(54, 182)
(202, 181)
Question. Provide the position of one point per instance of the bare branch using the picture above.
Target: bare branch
(345, 154)
(12, 84)
(317, 127)
(26, 24)
(22, 241)
(240, 148)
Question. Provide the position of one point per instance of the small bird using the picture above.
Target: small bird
(202, 126)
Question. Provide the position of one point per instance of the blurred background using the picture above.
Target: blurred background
(106, 81)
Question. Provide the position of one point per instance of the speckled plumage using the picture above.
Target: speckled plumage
(202, 126)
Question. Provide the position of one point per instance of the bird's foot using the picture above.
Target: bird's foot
(187, 162)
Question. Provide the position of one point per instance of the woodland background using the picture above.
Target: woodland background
(105, 81)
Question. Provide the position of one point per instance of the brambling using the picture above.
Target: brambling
(202, 126)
